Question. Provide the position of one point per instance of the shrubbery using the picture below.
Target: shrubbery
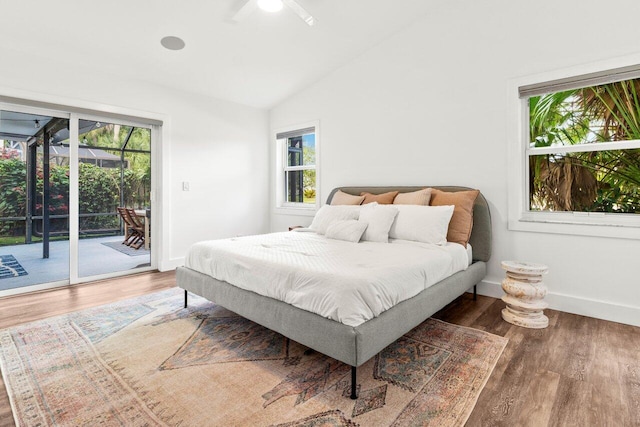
(99, 193)
(12, 192)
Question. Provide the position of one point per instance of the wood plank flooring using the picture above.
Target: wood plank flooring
(577, 372)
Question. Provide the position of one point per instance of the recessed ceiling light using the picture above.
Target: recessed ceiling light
(270, 5)
(172, 43)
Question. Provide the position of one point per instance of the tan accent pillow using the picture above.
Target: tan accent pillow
(420, 197)
(342, 198)
(462, 220)
(382, 199)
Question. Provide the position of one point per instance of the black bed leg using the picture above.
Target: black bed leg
(185, 298)
(475, 293)
(354, 396)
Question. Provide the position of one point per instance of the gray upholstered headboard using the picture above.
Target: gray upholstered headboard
(480, 234)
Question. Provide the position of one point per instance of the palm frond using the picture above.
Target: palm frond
(589, 180)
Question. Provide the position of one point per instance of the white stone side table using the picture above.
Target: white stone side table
(525, 294)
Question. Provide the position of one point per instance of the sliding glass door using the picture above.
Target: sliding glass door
(114, 177)
(75, 198)
(34, 200)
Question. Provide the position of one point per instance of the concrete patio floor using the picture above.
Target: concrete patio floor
(94, 258)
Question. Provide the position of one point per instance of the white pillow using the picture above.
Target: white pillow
(329, 214)
(350, 230)
(427, 224)
(379, 219)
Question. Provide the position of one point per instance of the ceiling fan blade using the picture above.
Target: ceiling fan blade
(300, 11)
(246, 9)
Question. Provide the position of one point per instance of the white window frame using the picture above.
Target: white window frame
(520, 217)
(282, 205)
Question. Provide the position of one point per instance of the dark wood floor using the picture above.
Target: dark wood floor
(577, 372)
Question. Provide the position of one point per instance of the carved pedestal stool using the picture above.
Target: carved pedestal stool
(525, 294)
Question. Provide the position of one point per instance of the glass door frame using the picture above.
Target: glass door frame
(74, 223)
(27, 109)
(74, 196)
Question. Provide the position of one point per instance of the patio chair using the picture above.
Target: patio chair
(131, 234)
(137, 228)
(128, 230)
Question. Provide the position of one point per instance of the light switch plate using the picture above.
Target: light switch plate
(185, 185)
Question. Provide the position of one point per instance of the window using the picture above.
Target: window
(297, 167)
(580, 154)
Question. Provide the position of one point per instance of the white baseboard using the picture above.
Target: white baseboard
(171, 264)
(605, 310)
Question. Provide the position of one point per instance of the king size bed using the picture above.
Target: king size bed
(350, 337)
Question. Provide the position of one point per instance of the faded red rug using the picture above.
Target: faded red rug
(147, 361)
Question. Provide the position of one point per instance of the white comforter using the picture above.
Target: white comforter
(347, 282)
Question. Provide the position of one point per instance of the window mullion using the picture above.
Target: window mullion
(298, 168)
(583, 148)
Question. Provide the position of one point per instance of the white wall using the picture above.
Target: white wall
(428, 106)
(219, 147)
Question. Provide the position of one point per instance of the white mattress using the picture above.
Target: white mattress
(347, 282)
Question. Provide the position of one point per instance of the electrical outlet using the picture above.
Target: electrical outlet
(185, 185)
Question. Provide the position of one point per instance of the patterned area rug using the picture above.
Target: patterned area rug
(148, 361)
(10, 267)
(128, 250)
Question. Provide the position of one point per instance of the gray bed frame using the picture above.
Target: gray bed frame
(349, 344)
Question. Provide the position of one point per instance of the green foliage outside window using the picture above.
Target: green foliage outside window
(12, 191)
(99, 193)
(309, 176)
(593, 181)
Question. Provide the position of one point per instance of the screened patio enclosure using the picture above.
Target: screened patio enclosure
(114, 169)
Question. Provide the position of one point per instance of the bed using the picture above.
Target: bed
(353, 345)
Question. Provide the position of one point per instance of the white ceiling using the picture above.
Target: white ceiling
(259, 61)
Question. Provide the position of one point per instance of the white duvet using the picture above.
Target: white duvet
(347, 282)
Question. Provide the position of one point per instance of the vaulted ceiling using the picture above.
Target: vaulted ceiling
(259, 61)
